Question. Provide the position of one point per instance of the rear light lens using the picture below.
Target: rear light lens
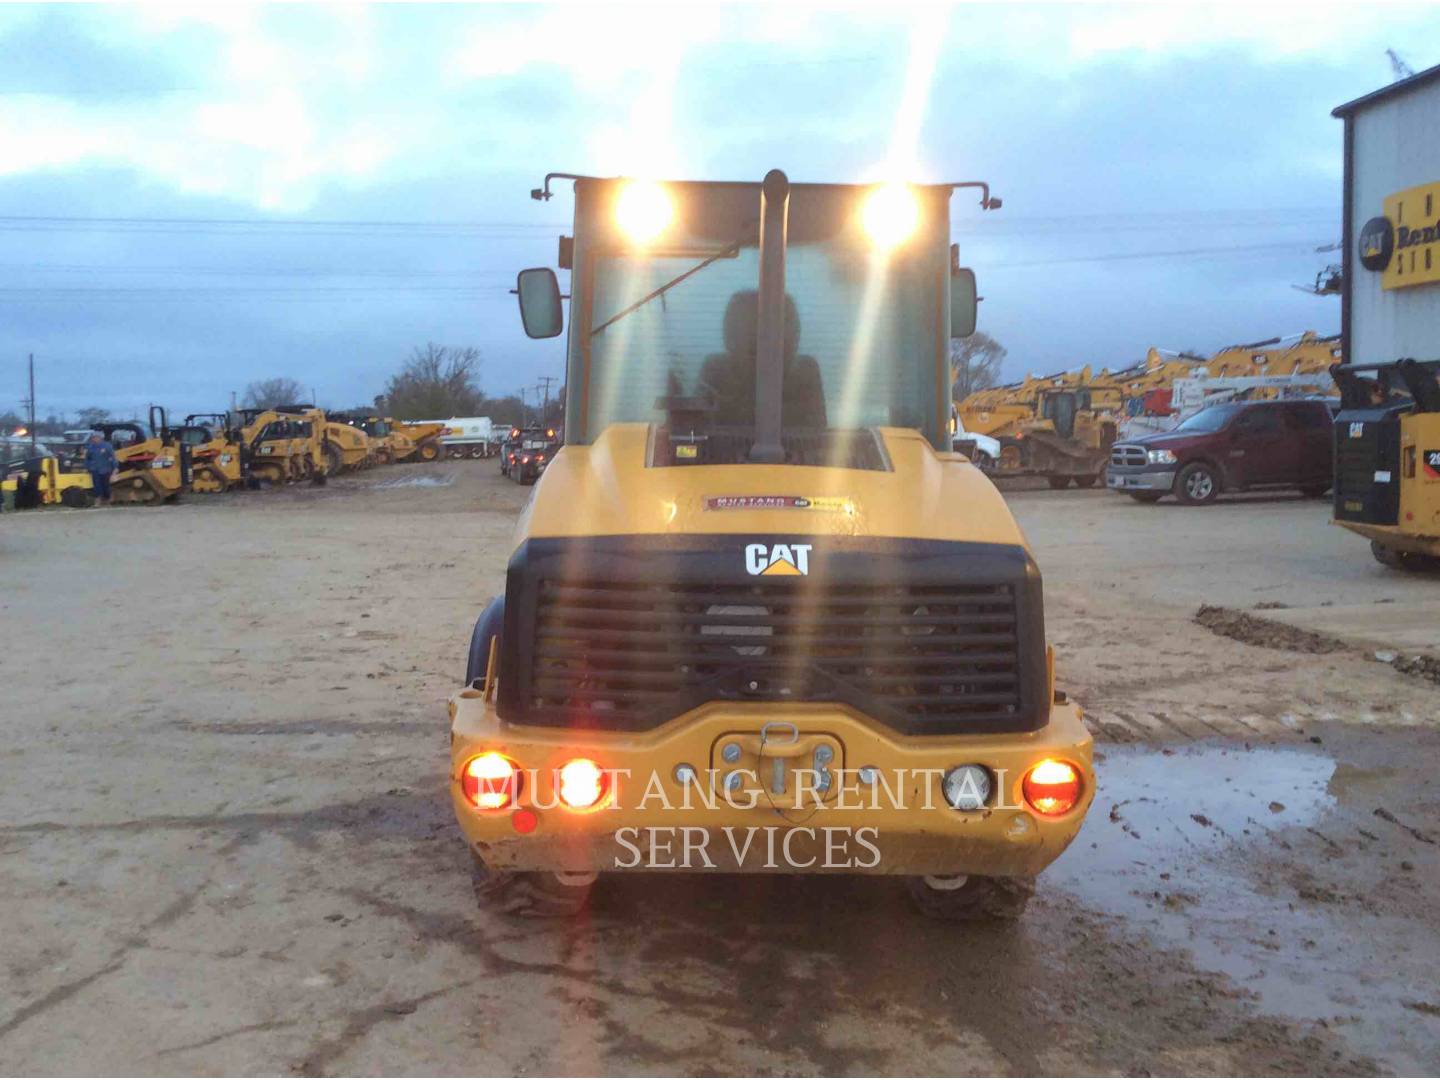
(490, 782)
(1052, 787)
(582, 784)
(539, 457)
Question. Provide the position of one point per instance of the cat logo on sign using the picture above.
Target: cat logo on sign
(1432, 464)
(778, 560)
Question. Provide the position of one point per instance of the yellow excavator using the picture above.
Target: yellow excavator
(759, 617)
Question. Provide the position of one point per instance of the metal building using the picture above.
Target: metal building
(1390, 307)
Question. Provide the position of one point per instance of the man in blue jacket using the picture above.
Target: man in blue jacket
(100, 463)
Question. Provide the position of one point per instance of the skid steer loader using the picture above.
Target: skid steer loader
(758, 616)
(285, 445)
(152, 463)
(215, 458)
(1387, 459)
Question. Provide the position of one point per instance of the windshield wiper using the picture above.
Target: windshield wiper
(723, 253)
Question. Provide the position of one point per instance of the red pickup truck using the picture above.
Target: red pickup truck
(1237, 446)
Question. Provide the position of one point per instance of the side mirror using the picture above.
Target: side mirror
(964, 299)
(539, 294)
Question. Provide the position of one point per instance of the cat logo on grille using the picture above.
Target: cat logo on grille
(787, 560)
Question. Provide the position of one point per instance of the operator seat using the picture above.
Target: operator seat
(728, 378)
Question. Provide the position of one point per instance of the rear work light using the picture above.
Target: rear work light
(582, 784)
(490, 782)
(1052, 787)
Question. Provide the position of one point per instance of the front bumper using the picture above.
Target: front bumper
(1139, 478)
(652, 821)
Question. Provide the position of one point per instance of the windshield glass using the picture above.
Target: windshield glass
(861, 341)
(1212, 419)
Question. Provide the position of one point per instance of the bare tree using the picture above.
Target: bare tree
(974, 363)
(437, 381)
(93, 415)
(267, 393)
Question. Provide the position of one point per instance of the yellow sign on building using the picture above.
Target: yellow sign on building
(1415, 214)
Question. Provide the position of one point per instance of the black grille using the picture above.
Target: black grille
(599, 650)
(1127, 455)
(1367, 466)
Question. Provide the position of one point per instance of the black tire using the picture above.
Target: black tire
(489, 625)
(1315, 491)
(977, 899)
(77, 498)
(1058, 483)
(1387, 556)
(428, 451)
(1197, 485)
(332, 459)
(1145, 496)
(530, 894)
(1086, 481)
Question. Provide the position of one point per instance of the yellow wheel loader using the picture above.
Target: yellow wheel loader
(1387, 459)
(215, 458)
(152, 464)
(758, 617)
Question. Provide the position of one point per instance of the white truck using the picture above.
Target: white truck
(467, 436)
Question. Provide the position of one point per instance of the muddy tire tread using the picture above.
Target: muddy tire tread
(981, 899)
(527, 895)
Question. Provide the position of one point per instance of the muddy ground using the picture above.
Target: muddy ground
(225, 844)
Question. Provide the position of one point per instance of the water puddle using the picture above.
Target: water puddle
(431, 481)
(1210, 849)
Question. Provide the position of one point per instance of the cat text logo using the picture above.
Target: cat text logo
(777, 560)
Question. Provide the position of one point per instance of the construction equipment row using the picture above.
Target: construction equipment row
(215, 452)
(1062, 426)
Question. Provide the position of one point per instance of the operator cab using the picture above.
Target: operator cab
(792, 349)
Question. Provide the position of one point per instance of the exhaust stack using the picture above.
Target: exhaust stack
(770, 321)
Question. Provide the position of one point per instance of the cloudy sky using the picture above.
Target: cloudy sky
(192, 198)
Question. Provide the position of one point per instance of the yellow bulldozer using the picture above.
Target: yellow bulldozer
(1058, 426)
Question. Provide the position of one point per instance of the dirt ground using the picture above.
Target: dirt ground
(225, 844)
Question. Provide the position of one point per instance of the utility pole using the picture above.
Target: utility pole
(546, 380)
(522, 406)
(32, 403)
